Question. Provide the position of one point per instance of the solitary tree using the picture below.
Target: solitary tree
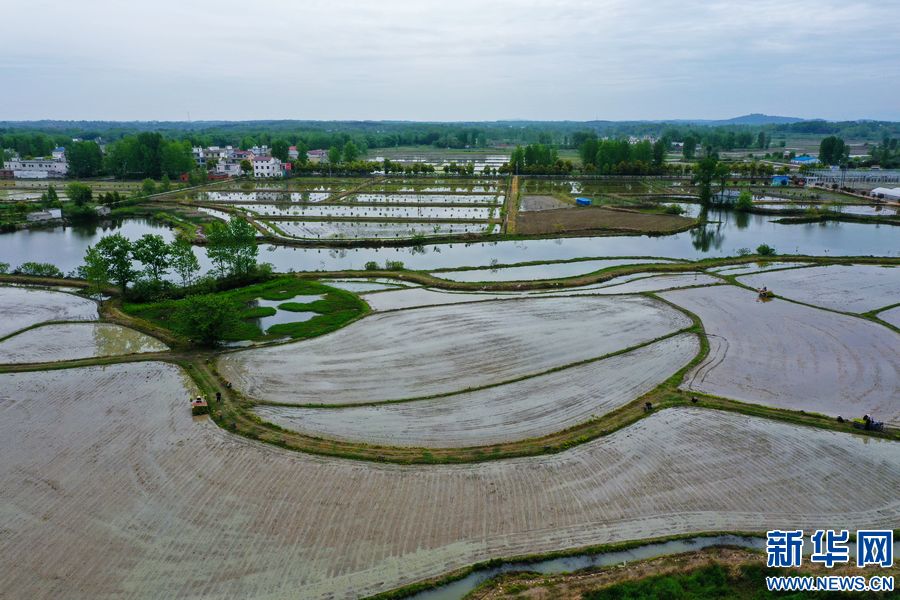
(351, 152)
(703, 177)
(334, 154)
(246, 167)
(280, 150)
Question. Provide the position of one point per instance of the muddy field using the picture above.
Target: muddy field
(75, 340)
(23, 307)
(541, 203)
(595, 219)
(848, 288)
(526, 409)
(543, 271)
(109, 489)
(788, 355)
(427, 351)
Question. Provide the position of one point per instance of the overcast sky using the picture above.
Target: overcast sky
(458, 60)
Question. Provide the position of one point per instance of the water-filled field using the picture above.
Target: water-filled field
(848, 288)
(23, 307)
(787, 355)
(70, 341)
(545, 271)
(423, 213)
(269, 522)
(526, 409)
(445, 349)
(436, 198)
(374, 229)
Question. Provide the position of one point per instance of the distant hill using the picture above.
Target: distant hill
(752, 119)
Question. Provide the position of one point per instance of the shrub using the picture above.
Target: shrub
(673, 209)
(394, 265)
(765, 250)
(37, 269)
(744, 201)
(150, 290)
(744, 252)
(206, 319)
(371, 266)
(4, 268)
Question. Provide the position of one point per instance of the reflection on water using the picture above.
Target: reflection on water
(729, 232)
(113, 340)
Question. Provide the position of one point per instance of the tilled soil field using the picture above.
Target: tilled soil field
(792, 356)
(23, 307)
(561, 220)
(848, 288)
(71, 341)
(437, 350)
(109, 489)
(526, 409)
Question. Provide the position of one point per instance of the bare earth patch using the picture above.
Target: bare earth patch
(72, 341)
(792, 356)
(595, 219)
(437, 350)
(526, 409)
(848, 288)
(527, 203)
(109, 489)
(24, 307)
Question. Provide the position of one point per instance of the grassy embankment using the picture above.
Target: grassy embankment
(335, 309)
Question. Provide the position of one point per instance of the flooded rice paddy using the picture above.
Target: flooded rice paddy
(847, 288)
(169, 481)
(446, 349)
(369, 212)
(22, 307)
(787, 355)
(375, 230)
(891, 316)
(525, 409)
(544, 271)
(71, 341)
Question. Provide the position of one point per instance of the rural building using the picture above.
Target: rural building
(317, 155)
(228, 168)
(103, 211)
(293, 154)
(887, 193)
(781, 180)
(59, 152)
(804, 160)
(267, 166)
(44, 215)
(37, 168)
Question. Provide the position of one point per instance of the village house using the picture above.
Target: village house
(266, 167)
(53, 214)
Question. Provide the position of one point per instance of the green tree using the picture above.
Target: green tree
(350, 152)
(659, 152)
(153, 252)
(116, 250)
(703, 177)
(184, 261)
(207, 319)
(79, 193)
(517, 160)
(302, 158)
(4, 268)
(280, 150)
(246, 167)
(148, 187)
(744, 201)
(85, 159)
(232, 247)
(38, 269)
(52, 196)
(832, 150)
(95, 270)
(176, 158)
(689, 149)
(334, 155)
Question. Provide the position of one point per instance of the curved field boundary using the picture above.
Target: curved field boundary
(268, 522)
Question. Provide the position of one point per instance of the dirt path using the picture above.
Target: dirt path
(512, 206)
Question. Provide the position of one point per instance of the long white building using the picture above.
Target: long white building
(267, 166)
(38, 168)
